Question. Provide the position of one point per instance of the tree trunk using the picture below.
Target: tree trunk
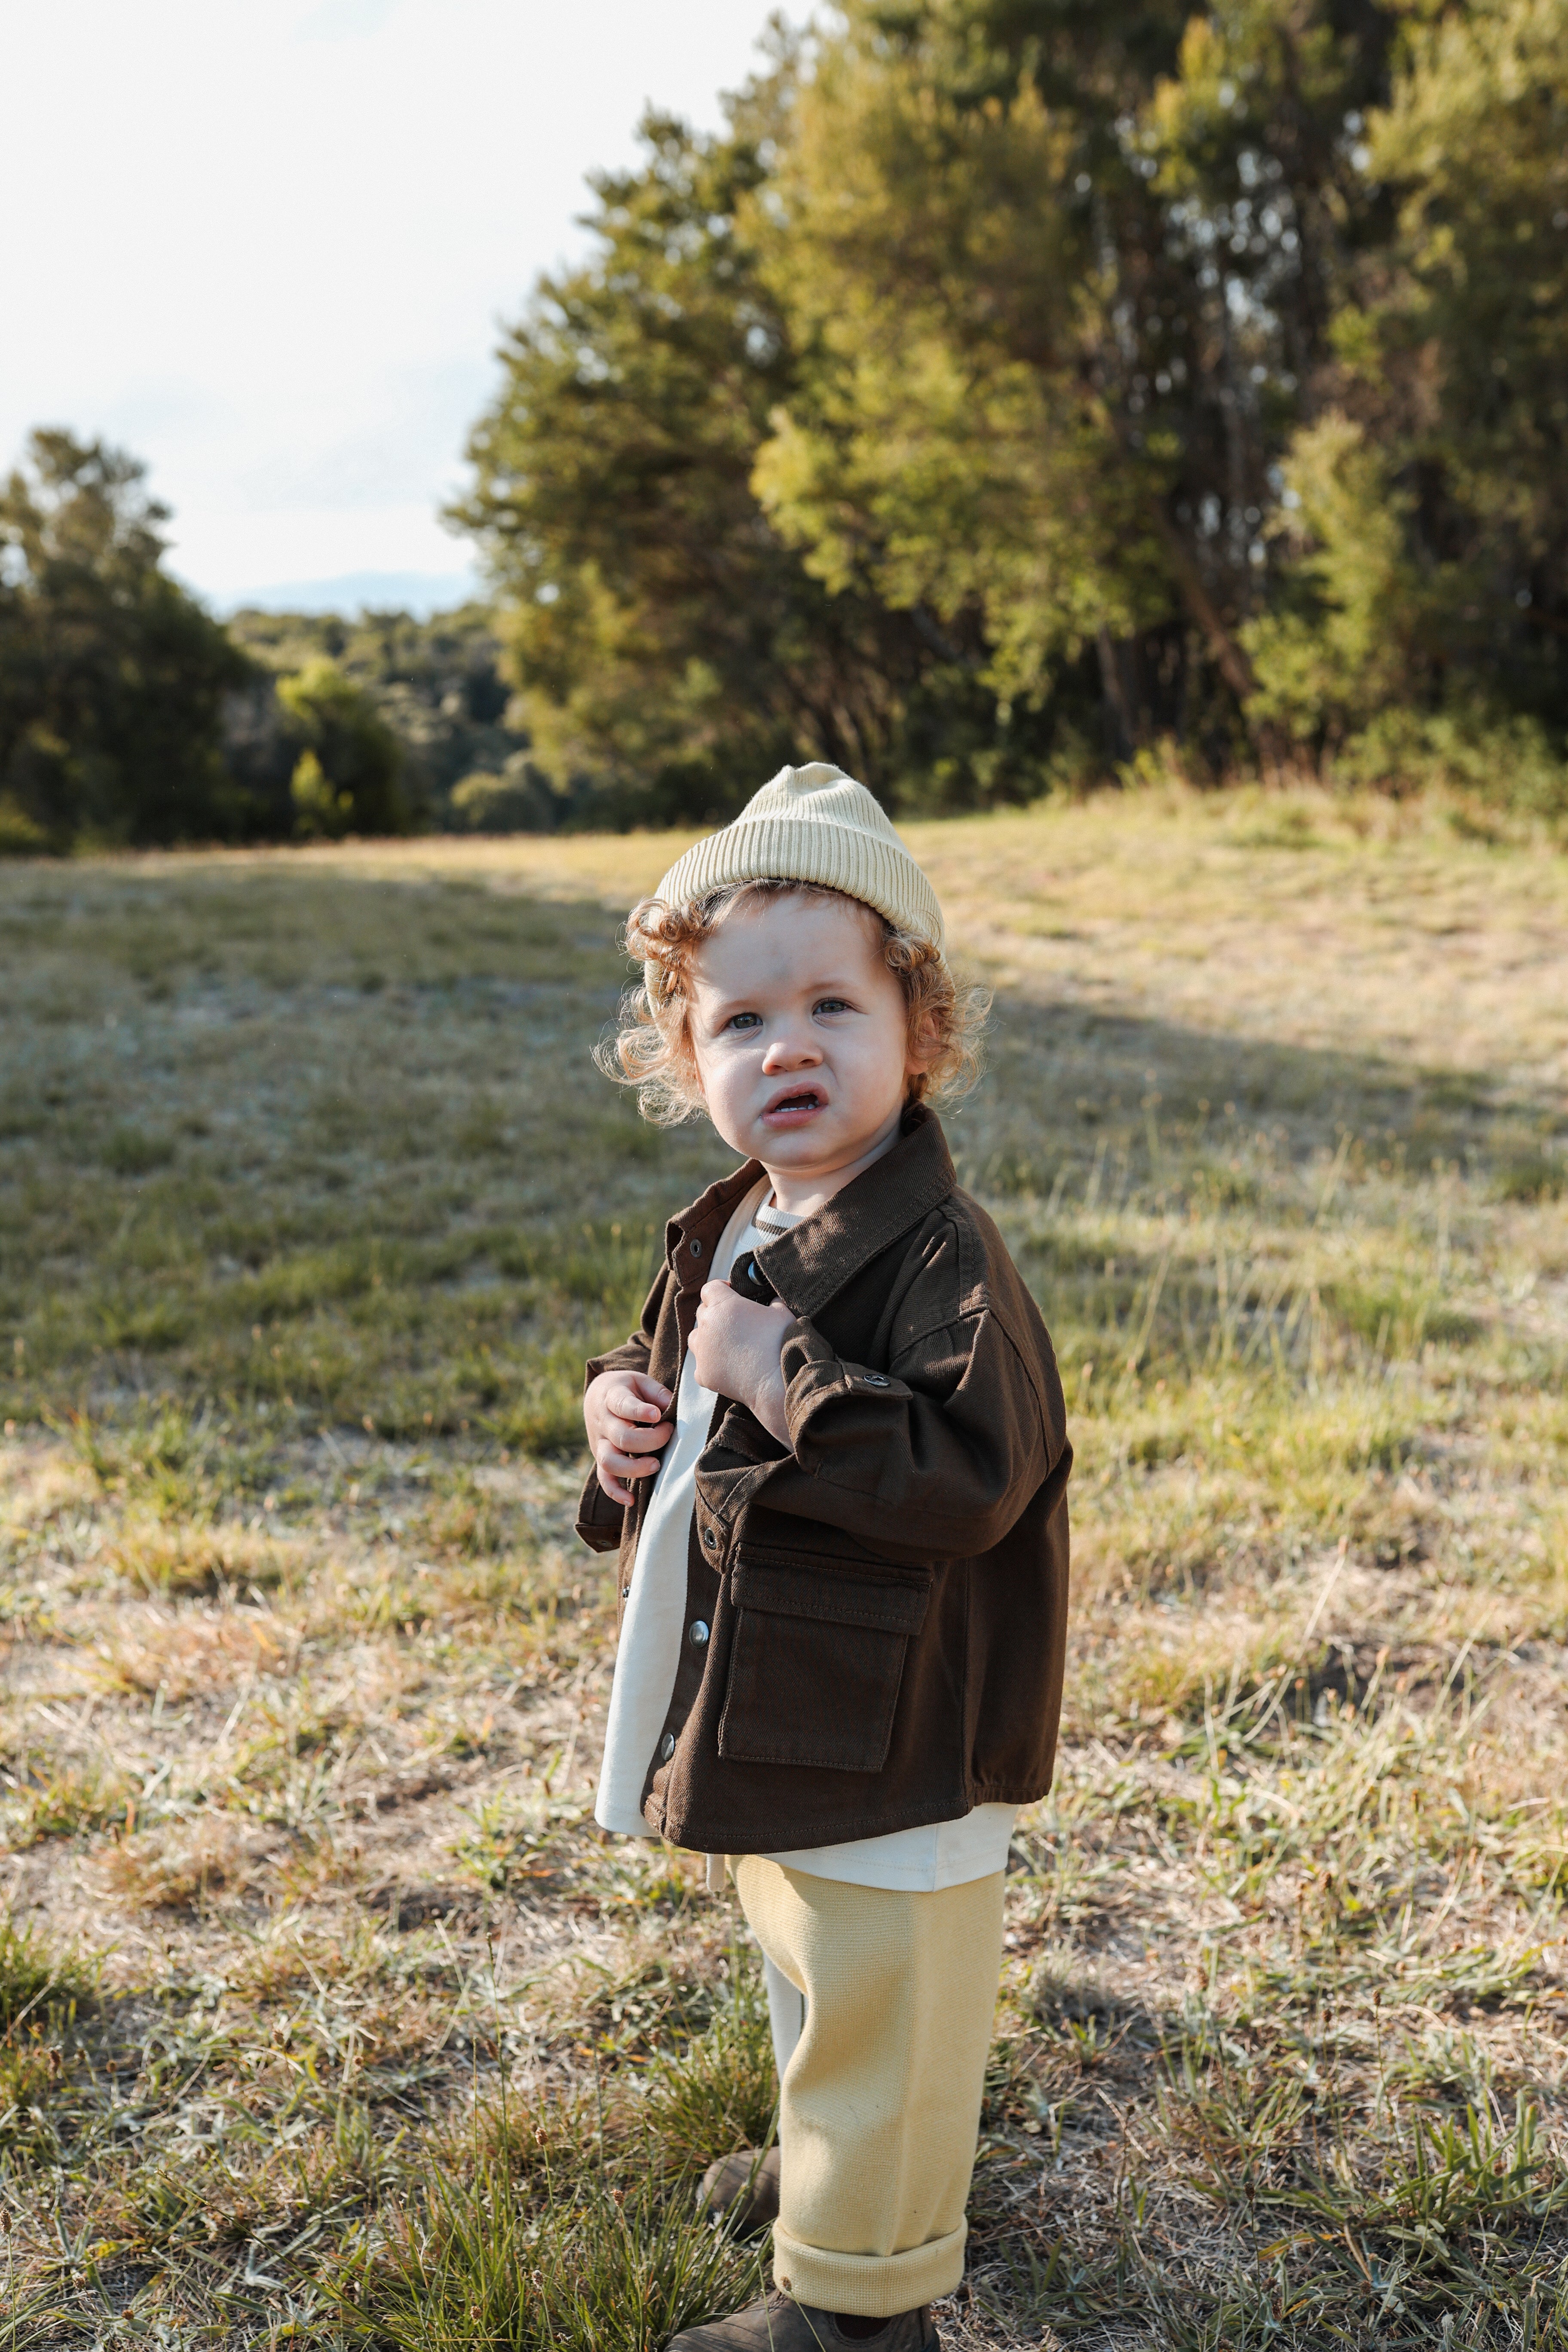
(1119, 743)
(1230, 656)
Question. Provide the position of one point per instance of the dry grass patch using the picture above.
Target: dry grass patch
(184, 1866)
(210, 1650)
(169, 1560)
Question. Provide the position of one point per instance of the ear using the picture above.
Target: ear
(924, 1048)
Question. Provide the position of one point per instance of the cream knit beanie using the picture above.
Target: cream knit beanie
(811, 824)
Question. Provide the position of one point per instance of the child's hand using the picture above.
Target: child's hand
(737, 1344)
(624, 1413)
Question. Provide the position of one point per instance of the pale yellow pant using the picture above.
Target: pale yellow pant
(879, 2104)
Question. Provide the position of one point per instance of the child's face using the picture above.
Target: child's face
(800, 1036)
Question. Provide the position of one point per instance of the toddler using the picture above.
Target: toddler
(834, 1461)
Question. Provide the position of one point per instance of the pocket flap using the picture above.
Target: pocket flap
(838, 1596)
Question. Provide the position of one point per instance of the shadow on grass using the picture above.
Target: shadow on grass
(1063, 1077)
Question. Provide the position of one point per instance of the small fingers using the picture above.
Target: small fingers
(625, 1466)
(627, 1405)
(630, 1438)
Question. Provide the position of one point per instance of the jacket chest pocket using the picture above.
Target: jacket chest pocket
(816, 1663)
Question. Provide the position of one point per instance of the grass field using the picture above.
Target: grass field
(327, 2017)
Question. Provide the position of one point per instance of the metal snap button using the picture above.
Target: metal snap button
(625, 1592)
(696, 1246)
(711, 1539)
(666, 1746)
(877, 1380)
(698, 1635)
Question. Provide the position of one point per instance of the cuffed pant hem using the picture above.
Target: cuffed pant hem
(869, 2286)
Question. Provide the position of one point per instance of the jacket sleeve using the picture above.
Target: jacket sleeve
(601, 1521)
(939, 1454)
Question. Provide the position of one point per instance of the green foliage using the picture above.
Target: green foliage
(666, 644)
(112, 679)
(128, 714)
(1332, 656)
(349, 777)
(1115, 380)
(435, 684)
(1059, 297)
(320, 809)
(1417, 633)
(1464, 339)
(518, 799)
(931, 248)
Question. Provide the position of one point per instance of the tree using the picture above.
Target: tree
(662, 636)
(1463, 343)
(112, 679)
(436, 683)
(1422, 623)
(348, 777)
(1064, 275)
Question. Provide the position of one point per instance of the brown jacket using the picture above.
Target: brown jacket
(877, 1622)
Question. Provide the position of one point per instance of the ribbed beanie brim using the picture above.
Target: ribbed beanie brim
(811, 824)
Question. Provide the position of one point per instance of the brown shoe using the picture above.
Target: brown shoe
(778, 2324)
(743, 2189)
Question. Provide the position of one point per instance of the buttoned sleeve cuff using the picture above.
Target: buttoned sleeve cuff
(601, 1521)
(815, 1375)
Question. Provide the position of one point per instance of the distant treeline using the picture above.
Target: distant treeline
(128, 714)
(1016, 393)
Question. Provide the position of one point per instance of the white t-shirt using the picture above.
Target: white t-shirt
(922, 1860)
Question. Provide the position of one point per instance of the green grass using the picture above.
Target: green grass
(33, 1981)
(326, 2015)
(593, 2267)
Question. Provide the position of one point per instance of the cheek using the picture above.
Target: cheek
(711, 1066)
(712, 1076)
(723, 1084)
(888, 1041)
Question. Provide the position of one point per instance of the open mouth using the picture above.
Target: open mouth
(798, 1102)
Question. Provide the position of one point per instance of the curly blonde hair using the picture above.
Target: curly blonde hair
(652, 1049)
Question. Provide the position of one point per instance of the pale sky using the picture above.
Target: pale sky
(266, 244)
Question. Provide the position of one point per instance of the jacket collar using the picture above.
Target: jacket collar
(813, 1260)
(690, 1238)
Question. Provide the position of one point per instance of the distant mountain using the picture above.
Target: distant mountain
(419, 594)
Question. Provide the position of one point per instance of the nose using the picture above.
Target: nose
(791, 1052)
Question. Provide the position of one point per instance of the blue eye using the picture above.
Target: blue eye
(832, 1004)
(744, 1021)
